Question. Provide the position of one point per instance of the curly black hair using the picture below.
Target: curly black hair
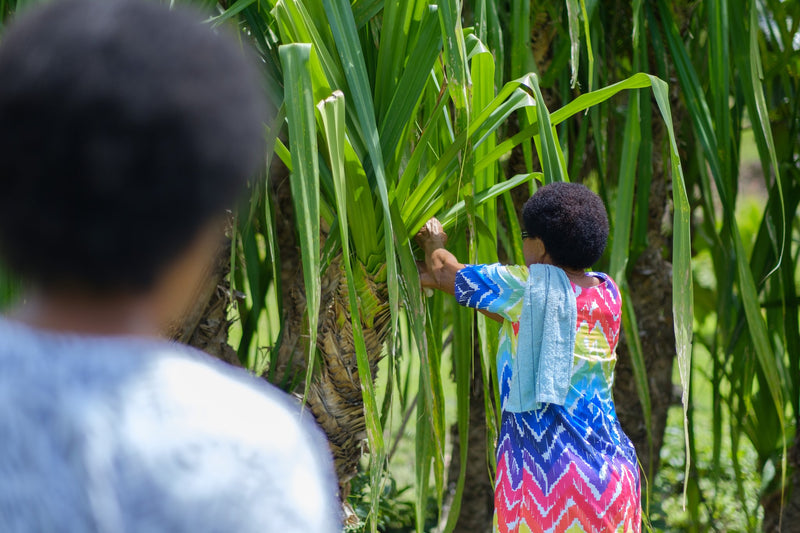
(571, 220)
(125, 128)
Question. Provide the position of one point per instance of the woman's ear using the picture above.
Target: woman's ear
(533, 251)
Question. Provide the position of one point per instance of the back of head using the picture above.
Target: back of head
(571, 220)
(124, 129)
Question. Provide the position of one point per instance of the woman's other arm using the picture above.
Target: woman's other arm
(440, 267)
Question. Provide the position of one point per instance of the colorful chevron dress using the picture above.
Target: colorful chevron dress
(563, 468)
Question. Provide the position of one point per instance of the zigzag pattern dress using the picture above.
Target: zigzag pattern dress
(566, 468)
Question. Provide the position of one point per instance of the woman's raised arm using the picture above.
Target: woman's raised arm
(440, 267)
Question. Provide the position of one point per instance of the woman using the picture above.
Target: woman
(563, 462)
(126, 131)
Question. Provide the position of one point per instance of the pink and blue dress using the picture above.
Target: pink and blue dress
(560, 468)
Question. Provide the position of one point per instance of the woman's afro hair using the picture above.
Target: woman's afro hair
(570, 220)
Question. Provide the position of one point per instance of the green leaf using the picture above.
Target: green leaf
(340, 18)
(364, 10)
(550, 156)
(623, 214)
(588, 34)
(304, 180)
(682, 299)
(409, 89)
(459, 209)
(454, 52)
(575, 39)
(343, 26)
(233, 10)
(521, 57)
(332, 112)
(400, 19)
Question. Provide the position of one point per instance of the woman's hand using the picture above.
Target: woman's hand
(426, 279)
(431, 236)
(440, 267)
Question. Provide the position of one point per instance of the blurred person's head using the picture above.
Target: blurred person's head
(126, 129)
(568, 223)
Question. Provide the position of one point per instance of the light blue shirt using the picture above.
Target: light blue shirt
(116, 434)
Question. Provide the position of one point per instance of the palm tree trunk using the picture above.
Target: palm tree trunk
(334, 397)
(335, 394)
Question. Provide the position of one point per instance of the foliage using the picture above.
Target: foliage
(749, 56)
(394, 112)
(9, 288)
(396, 513)
(409, 114)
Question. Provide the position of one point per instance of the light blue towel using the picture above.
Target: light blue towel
(543, 364)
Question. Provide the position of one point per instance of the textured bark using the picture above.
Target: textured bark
(335, 393)
(543, 31)
(292, 351)
(334, 397)
(650, 285)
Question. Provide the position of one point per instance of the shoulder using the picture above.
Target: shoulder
(607, 284)
(238, 432)
(224, 402)
(188, 442)
(193, 384)
(604, 297)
